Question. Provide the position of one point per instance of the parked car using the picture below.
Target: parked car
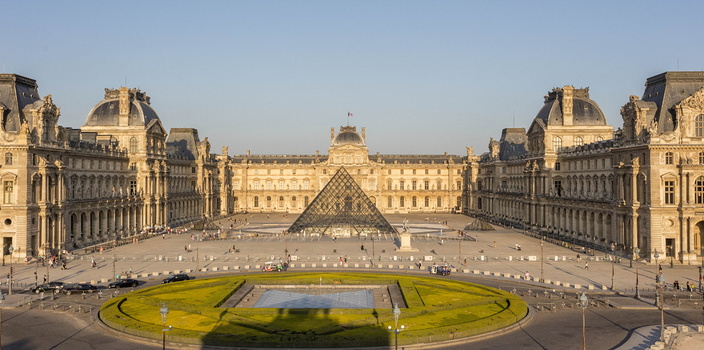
(276, 265)
(71, 288)
(48, 287)
(175, 278)
(443, 269)
(125, 282)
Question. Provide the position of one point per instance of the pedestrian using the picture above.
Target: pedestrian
(586, 265)
(362, 247)
(494, 245)
(44, 278)
(465, 261)
(527, 276)
(579, 258)
(688, 286)
(340, 261)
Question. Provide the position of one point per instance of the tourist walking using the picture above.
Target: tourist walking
(586, 265)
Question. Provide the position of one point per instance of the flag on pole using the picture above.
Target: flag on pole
(350, 114)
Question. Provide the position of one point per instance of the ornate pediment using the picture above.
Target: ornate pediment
(696, 101)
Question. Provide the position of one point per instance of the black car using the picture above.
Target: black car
(175, 278)
(125, 282)
(48, 287)
(71, 288)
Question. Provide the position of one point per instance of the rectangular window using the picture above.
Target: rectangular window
(459, 185)
(133, 187)
(402, 185)
(426, 171)
(389, 202)
(281, 184)
(439, 185)
(236, 185)
(9, 187)
(306, 184)
(414, 185)
(426, 184)
(255, 184)
(389, 183)
(268, 184)
(669, 192)
(294, 184)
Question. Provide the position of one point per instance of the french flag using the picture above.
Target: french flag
(350, 114)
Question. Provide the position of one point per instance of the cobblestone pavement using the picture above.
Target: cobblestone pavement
(245, 247)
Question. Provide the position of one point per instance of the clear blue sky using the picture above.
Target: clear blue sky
(424, 77)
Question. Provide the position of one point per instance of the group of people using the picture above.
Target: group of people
(688, 287)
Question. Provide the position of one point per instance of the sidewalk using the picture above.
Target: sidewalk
(435, 237)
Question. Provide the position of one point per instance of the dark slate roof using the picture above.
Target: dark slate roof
(513, 143)
(666, 90)
(278, 159)
(584, 110)
(348, 136)
(16, 93)
(415, 158)
(182, 143)
(107, 111)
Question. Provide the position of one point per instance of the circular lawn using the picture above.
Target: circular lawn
(436, 309)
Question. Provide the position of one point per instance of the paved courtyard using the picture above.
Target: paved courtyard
(248, 245)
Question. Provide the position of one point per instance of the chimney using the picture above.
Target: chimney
(124, 108)
(567, 104)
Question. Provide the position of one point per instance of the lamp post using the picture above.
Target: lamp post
(700, 277)
(396, 330)
(163, 311)
(542, 240)
(583, 301)
(637, 290)
(2, 301)
(660, 286)
(12, 270)
(612, 266)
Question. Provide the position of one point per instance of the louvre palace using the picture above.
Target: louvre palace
(637, 188)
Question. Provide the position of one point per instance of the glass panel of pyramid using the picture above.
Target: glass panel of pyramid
(341, 206)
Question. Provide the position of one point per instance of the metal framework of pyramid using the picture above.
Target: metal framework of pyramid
(341, 207)
(479, 225)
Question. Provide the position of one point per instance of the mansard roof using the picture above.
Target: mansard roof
(182, 143)
(278, 158)
(668, 89)
(16, 93)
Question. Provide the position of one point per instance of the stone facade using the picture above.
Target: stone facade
(640, 190)
(66, 188)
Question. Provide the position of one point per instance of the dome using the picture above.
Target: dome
(348, 136)
(107, 111)
(584, 110)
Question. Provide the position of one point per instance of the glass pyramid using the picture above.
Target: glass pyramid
(341, 208)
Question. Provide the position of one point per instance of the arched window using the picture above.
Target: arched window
(293, 202)
(281, 202)
(578, 141)
(669, 158)
(268, 201)
(699, 125)
(133, 145)
(599, 139)
(8, 158)
(557, 143)
(699, 190)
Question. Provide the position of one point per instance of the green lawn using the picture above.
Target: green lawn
(438, 309)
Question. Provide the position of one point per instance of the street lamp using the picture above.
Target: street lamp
(396, 330)
(637, 290)
(583, 301)
(12, 271)
(164, 311)
(612, 266)
(2, 301)
(542, 240)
